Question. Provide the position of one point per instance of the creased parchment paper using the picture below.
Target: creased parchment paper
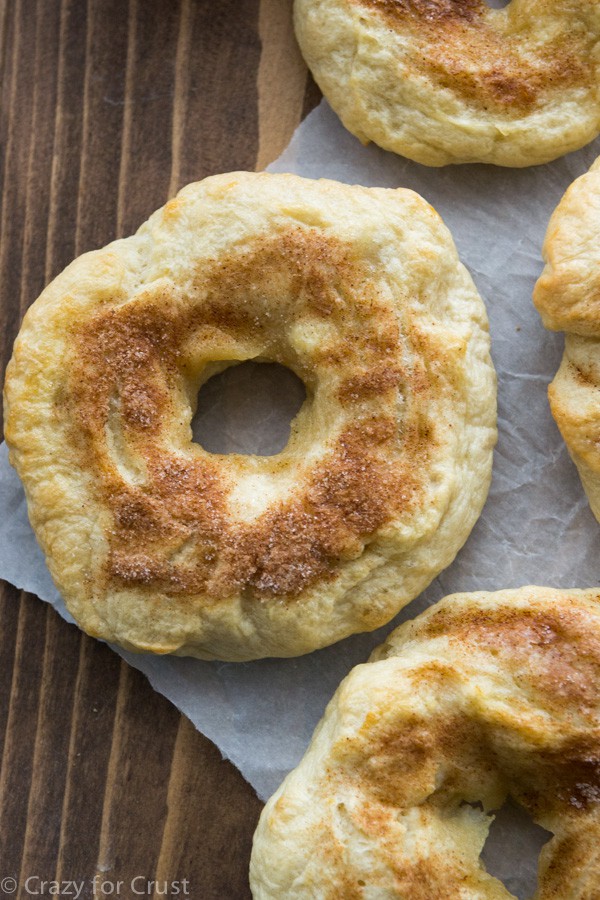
(535, 528)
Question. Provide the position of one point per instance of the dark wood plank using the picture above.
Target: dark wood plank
(9, 616)
(91, 730)
(192, 793)
(68, 129)
(216, 124)
(21, 727)
(108, 107)
(50, 746)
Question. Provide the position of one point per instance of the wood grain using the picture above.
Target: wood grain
(107, 108)
(281, 80)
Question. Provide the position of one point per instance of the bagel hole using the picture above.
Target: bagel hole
(248, 408)
(512, 849)
(497, 4)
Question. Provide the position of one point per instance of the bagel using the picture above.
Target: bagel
(453, 81)
(481, 697)
(161, 546)
(567, 295)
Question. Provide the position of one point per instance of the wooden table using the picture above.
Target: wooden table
(108, 107)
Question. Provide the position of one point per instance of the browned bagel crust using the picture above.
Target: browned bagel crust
(160, 545)
(454, 81)
(289, 549)
(567, 295)
(477, 60)
(480, 697)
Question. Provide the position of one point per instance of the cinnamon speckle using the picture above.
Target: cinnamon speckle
(132, 364)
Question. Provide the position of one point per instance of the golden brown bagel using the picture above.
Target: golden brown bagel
(161, 546)
(567, 296)
(480, 697)
(454, 81)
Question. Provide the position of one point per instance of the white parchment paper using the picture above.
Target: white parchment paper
(535, 528)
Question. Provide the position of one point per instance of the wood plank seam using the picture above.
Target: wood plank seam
(281, 81)
(60, 871)
(105, 861)
(127, 115)
(181, 88)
